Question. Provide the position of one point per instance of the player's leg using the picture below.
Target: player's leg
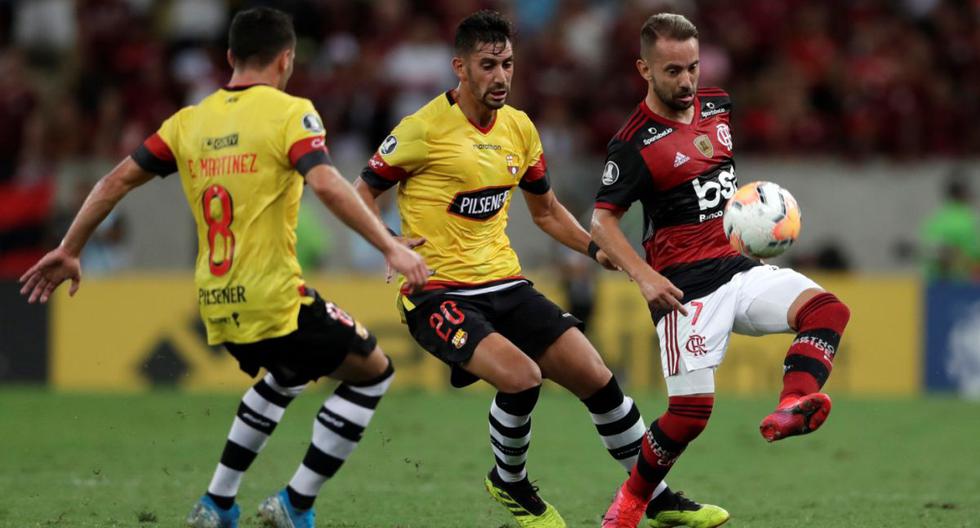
(456, 329)
(259, 411)
(328, 343)
(552, 337)
(691, 347)
(517, 379)
(572, 362)
(774, 300)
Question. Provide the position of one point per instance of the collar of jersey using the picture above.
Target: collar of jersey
(482, 130)
(240, 87)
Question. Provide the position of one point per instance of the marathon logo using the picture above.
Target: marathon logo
(480, 204)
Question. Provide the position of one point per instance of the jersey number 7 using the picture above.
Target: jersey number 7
(218, 214)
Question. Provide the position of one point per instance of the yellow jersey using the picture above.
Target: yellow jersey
(455, 182)
(241, 153)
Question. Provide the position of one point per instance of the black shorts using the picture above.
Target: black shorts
(450, 324)
(322, 340)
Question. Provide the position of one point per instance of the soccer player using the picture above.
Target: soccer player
(456, 162)
(674, 155)
(243, 155)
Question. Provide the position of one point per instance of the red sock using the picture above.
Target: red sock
(810, 358)
(666, 439)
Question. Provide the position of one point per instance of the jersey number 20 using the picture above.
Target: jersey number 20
(218, 213)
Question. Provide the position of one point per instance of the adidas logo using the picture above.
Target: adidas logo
(680, 159)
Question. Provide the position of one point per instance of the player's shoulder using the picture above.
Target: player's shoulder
(514, 115)
(714, 101)
(515, 123)
(639, 130)
(428, 116)
(434, 111)
(293, 104)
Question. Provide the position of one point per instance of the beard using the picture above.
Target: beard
(492, 103)
(671, 99)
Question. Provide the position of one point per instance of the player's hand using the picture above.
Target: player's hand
(410, 243)
(407, 262)
(660, 293)
(49, 272)
(603, 259)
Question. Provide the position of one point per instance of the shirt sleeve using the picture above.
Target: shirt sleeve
(624, 178)
(535, 179)
(155, 155)
(401, 154)
(306, 143)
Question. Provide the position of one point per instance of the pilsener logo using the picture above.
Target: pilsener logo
(480, 204)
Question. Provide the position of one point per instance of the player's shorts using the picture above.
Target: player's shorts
(324, 337)
(755, 302)
(449, 324)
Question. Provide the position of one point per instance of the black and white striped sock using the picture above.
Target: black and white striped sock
(510, 432)
(338, 428)
(258, 414)
(618, 422)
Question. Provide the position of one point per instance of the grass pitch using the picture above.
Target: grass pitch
(93, 460)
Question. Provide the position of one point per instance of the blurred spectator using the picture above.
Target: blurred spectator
(865, 79)
(952, 234)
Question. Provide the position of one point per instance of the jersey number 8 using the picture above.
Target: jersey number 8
(218, 213)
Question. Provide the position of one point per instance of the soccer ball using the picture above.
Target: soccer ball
(762, 220)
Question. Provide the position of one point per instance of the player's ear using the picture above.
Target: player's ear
(285, 59)
(231, 59)
(459, 67)
(644, 68)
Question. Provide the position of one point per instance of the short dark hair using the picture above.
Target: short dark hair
(257, 35)
(668, 26)
(486, 26)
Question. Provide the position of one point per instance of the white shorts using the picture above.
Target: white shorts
(755, 302)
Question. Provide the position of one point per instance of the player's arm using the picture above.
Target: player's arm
(656, 289)
(626, 179)
(546, 211)
(553, 218)
(62, 263)
(345, 202)
(402, 153)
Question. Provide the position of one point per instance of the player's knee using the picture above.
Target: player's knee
(687, 417)
(824, 311)
(520, 380)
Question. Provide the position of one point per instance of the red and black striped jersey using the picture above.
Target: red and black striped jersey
(683, 174)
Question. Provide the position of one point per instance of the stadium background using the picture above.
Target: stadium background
(866, 110)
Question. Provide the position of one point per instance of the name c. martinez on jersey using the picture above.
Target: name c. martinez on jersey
(241, 153)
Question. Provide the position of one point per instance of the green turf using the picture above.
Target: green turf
(141, 460)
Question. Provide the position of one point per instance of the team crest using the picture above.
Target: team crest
(724, 135)
(696, 346)
(460, 338)
(703, 143)
(512, 166)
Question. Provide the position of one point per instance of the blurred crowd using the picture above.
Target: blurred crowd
(83, 82)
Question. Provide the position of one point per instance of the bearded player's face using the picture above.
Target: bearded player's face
(487, 73)
(674, 70)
